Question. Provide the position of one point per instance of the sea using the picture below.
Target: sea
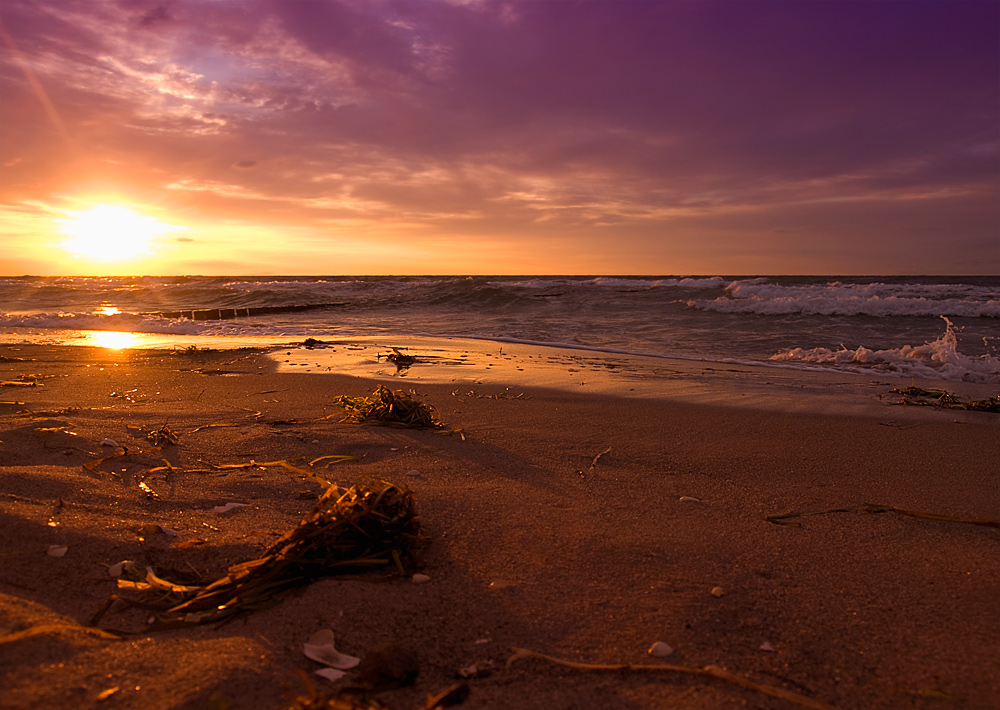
(945, 328)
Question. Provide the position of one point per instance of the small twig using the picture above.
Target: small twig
(593, 464)
(707, 671)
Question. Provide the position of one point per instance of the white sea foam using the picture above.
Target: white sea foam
(938, 359)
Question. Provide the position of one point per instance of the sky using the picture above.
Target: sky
(480, 137)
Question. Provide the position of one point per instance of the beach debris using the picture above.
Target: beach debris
(150, 493)
(420, 578)
(105, 694)
(919, 396)
(392, 408)
(455, 694)
(479, 669)
(129, 395)
(164, 436)
(214, 425)
(506, 394)
(370, 524)
(92, 465)
(220, 509)
(593, 464)
(333, 458)
(499, 584)
(57, 550)
(401, 360)
(717, 591)
(313, 700)
(19, 383)
(119, 568)
(766, 647)
(163, 585)
(320, 648)
(706, 672)
(150, 529)
(660, 650)
(789, 519)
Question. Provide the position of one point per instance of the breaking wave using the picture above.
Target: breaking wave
(939, 359)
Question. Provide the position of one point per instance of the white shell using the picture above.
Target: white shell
(57, 550)
(689, 499)
(660, 649)
(767, 647)
(320, 648)
(109, 442)
(414, 473)
(420, 578)
(116, 569)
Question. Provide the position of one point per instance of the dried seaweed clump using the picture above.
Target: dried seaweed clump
(163, 436)
(394, 408)
(368, 525)
(942, 398)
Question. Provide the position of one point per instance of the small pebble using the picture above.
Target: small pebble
(57, 550)
(220, 509)
(660, 649)
(420, 578)
(414, 473)
(718, 591)
(767, 647)
(689, 499)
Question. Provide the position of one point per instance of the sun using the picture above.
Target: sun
(109, 233)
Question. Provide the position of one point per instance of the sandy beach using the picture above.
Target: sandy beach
(799, 530)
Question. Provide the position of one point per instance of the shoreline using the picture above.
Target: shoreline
(569, 520)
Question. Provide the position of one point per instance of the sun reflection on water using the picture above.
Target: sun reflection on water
(112, 339)
(107, 311)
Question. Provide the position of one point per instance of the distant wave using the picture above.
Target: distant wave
(839, 299)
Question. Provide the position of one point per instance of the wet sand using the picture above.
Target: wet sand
(596, 504)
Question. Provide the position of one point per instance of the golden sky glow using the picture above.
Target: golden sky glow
(457, 136)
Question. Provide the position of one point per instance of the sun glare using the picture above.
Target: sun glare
(107, 233)
(112, 339)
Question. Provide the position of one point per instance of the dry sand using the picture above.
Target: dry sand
(561, 523)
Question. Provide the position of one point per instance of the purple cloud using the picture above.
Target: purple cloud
(523, 118)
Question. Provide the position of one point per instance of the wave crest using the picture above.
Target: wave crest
(939, 359)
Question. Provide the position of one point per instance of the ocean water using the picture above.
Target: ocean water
(938, 327)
